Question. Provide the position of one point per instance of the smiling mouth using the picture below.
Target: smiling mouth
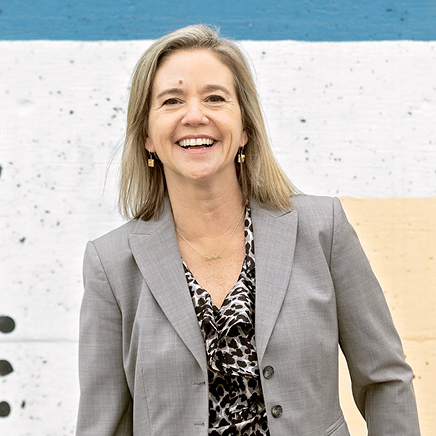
(196, 142)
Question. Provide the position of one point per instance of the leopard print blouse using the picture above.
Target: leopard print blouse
(236, 404)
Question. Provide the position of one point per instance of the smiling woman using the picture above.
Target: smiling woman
(195, 128)
(219, 308)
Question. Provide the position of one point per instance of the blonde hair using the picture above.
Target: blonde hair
(142, 189)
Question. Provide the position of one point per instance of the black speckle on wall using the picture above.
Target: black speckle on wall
(5, 368)
(5, 409)
(7, 324)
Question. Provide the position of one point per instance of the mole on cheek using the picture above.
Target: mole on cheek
(180, 81)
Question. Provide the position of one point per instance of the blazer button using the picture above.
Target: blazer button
(277, 411)
(268, 372)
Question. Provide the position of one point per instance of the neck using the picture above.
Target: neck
(206, 211)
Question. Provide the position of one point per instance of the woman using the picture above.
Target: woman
(218, 309)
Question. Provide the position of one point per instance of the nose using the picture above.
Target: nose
(194, 114)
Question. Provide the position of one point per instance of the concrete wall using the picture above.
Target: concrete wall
(351, 113)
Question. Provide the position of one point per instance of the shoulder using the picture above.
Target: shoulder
(321, 219)
(117, 238)
(115, 246)
(110, 252)
(311, 219)
(314, 216)
(311, 210)
(318, 210)
(314, 205)
(303, 204)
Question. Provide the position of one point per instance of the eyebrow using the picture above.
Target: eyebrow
(211, 88)
(177, 91)
(207, 88)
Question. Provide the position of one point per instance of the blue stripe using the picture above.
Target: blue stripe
(304, 20)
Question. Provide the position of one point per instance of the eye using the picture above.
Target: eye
(215, 98)
(171, 101)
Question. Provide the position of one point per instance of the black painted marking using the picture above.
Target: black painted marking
(5, 368)
(5, 409)
(23, 404)
(7, 324)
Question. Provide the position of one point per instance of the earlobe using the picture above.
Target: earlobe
(244, 138)
(149, 145)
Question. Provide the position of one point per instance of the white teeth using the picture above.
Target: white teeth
(193, 142)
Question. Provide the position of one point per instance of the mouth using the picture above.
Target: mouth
(196, 143)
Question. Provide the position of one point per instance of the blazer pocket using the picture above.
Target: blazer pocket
(338, 428)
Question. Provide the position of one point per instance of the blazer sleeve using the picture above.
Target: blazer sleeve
(105, 402)
(381, 379)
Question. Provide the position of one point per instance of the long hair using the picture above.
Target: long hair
(142, 189)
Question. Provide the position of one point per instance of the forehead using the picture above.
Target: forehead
(199, 67)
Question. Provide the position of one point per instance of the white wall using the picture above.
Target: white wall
(347, 119)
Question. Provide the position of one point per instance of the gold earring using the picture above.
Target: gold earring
(151, 160)
(241, 156)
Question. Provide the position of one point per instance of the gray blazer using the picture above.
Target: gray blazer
(142, 355)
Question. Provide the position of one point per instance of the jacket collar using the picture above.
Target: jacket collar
(154, 247)
(275, 235)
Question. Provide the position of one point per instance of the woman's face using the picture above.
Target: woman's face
(195, 123)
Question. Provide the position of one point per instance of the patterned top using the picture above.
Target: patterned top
(236, 404)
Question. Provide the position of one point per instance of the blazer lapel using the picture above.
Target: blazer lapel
(154, 247)
(274, 245)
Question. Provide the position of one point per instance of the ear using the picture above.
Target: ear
(149, 145)
(244, 138)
